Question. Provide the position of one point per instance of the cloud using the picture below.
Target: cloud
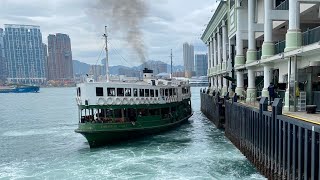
(167, 25)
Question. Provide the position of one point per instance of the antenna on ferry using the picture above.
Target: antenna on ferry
(105, 35)
(171, 65)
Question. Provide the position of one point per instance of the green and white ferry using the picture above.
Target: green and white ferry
(112, 111)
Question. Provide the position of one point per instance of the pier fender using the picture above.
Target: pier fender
(101, 101)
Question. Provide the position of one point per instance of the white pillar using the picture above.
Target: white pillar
(209, 54)
(251, 34)
(239, 88)
(212, 52)
(224, 45)
(268, 45)
(294, 15)
(224, 86)
(251, 53)
(219, 49)
(266, 80)
(251, 91)
(267, 21)
(239, 59)
(293, 36)
(215, 51)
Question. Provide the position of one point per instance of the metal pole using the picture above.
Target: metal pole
(107, 58)
(171, 64)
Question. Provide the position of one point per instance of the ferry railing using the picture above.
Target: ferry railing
(311, 36)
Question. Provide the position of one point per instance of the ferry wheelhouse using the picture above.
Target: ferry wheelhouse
(111, 111)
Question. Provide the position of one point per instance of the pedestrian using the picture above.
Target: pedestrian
(271, 92)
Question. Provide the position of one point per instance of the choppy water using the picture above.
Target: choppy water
(37, 141)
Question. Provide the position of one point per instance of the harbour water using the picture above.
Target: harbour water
(37, 141)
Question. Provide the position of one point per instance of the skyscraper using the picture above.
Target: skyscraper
(45, 55)
(201, 64)
(2, 64)
(24, 54)
(59, 57)
(188, 59)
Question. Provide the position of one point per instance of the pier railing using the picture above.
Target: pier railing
(279, 146)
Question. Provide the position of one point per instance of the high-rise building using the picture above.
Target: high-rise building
(24, 54)
(59, 57)
(45, 56)
(188, 59)
(96, 71)
(2, 64)
(201, 64)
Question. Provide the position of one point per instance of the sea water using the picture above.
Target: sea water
(37, 141)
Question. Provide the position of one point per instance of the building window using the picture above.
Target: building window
(99, 91)
(111, 91)
(120, 92)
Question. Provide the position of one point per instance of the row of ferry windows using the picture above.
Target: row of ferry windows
(128, 92)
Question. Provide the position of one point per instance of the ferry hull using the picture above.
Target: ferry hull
(105, 137)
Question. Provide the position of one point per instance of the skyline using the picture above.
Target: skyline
(163, 23)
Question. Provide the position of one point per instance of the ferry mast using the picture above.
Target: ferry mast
(105, 35)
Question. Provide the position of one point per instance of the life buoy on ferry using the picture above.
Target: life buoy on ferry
(118, 101)
(125, 101)
(142, 101)
(109, 101)
(131, 101)
(137, 101)
(101, 101)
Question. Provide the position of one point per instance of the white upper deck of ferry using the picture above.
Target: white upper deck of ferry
(148, 91)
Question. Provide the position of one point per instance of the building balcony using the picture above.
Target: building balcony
(311, 36)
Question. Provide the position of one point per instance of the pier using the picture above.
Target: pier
(280, 146)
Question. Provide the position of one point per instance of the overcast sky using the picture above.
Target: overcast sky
(167, 25)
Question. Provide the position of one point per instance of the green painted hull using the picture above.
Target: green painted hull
(103, 134)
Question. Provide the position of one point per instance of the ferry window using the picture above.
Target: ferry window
(111, 91)
(141, 92)
(79, 92)
(135, 92)
(128, 91)
(184, 91)
(166, 92)
(157, 93)
(142, 112)
(154, 112)
(170, 92)
(174, 91)
(162, 92)
(146, 94)
(117, 113)
(99, 91)
(152, 92)
(120, 92)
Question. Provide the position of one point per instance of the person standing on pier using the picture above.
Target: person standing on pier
(271, 92)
